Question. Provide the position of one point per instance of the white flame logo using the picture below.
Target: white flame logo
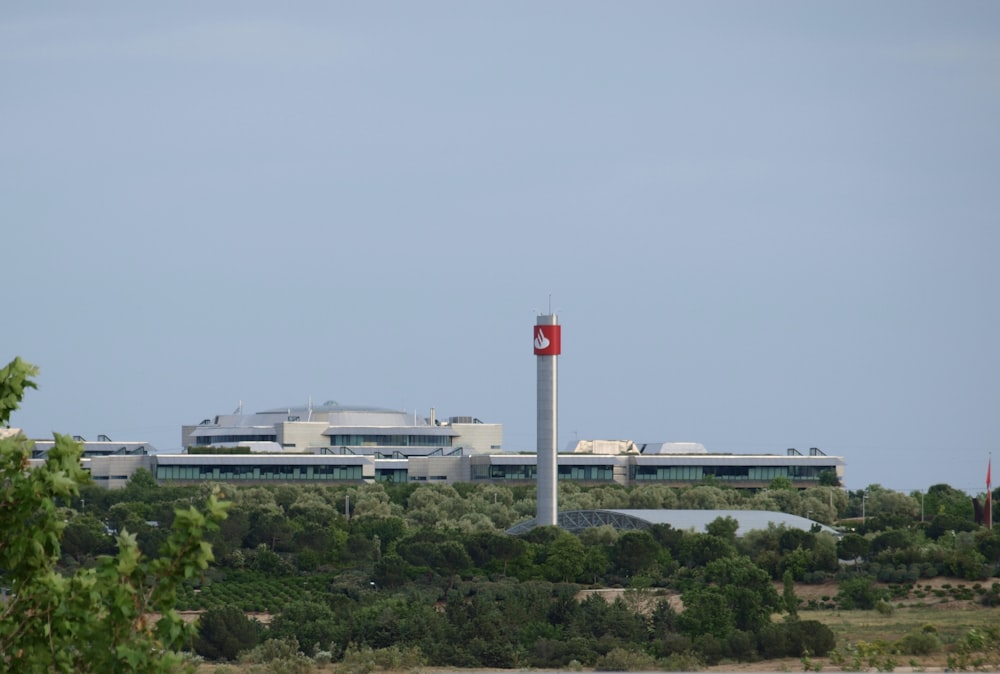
(541, 341)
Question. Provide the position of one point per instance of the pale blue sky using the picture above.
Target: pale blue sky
(763, 224)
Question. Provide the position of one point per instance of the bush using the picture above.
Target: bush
(309, 621)
(623, 660)
(811, 637)
(773, 641)
(710, 648)
(858, 592)
(362, 660)
(884, 608)
(277, 656)
(672, 644)
(740, 646)
(682, 662)
(224, 632)
(549, 653)
(919, 642)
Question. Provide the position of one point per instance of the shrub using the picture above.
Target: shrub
(991, 597)
(919, 643)
(672, 644)
(740, 646)
(858, 592)
(277, 656)
(682, 662)
(812, 637)
(224, 632)
(710, 648)
(361, 660)
(624, 660)
(773, 641)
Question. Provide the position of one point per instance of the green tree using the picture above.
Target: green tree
(491, 550)
(858, 592)
(85, 537)
(699, 549)
(96, 619)
(788, 597)
(781, 482)
(706, 611)
(636, 553)
(735, 593)
(312, 623)
(828, 478)
(853, 546)
(946, 523)
(564, 561)
(943, 499)
(723, 527)
(224, 632)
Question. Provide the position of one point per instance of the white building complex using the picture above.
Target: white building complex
(331, 444)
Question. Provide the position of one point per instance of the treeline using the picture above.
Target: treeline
(428, 571)
(401, 532)
(530, 624)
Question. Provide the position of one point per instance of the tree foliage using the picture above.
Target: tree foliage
(97, 619)
(224, 632)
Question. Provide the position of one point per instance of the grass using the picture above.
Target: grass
(952, 624)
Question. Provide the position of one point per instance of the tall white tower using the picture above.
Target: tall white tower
(548, 345)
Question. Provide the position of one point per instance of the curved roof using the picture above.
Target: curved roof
(576, 521)
(673, 448)
(334, 415)
(328, 406)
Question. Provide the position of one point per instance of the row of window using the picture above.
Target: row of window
(237, 473)
(530, 472)
(652, 473)
(723, 473)
(390, 441)
(220, 439)
(585, 473)
(392, 475)
(519, 472)
(516, 472)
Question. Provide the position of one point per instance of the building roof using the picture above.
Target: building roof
(685, 520)
(259, 459)
(673, 448)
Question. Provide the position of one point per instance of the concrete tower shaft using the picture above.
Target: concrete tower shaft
(548, 345)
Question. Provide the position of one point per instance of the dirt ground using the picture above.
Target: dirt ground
(805, 592)
(817, 593)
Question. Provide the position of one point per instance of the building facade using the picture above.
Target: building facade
(330, 443)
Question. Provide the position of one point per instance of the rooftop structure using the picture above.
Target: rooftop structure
(335, 428)
(696, 521)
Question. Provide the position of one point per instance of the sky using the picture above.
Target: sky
(762, 225)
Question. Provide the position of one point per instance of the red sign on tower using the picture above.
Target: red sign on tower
(548, 340)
